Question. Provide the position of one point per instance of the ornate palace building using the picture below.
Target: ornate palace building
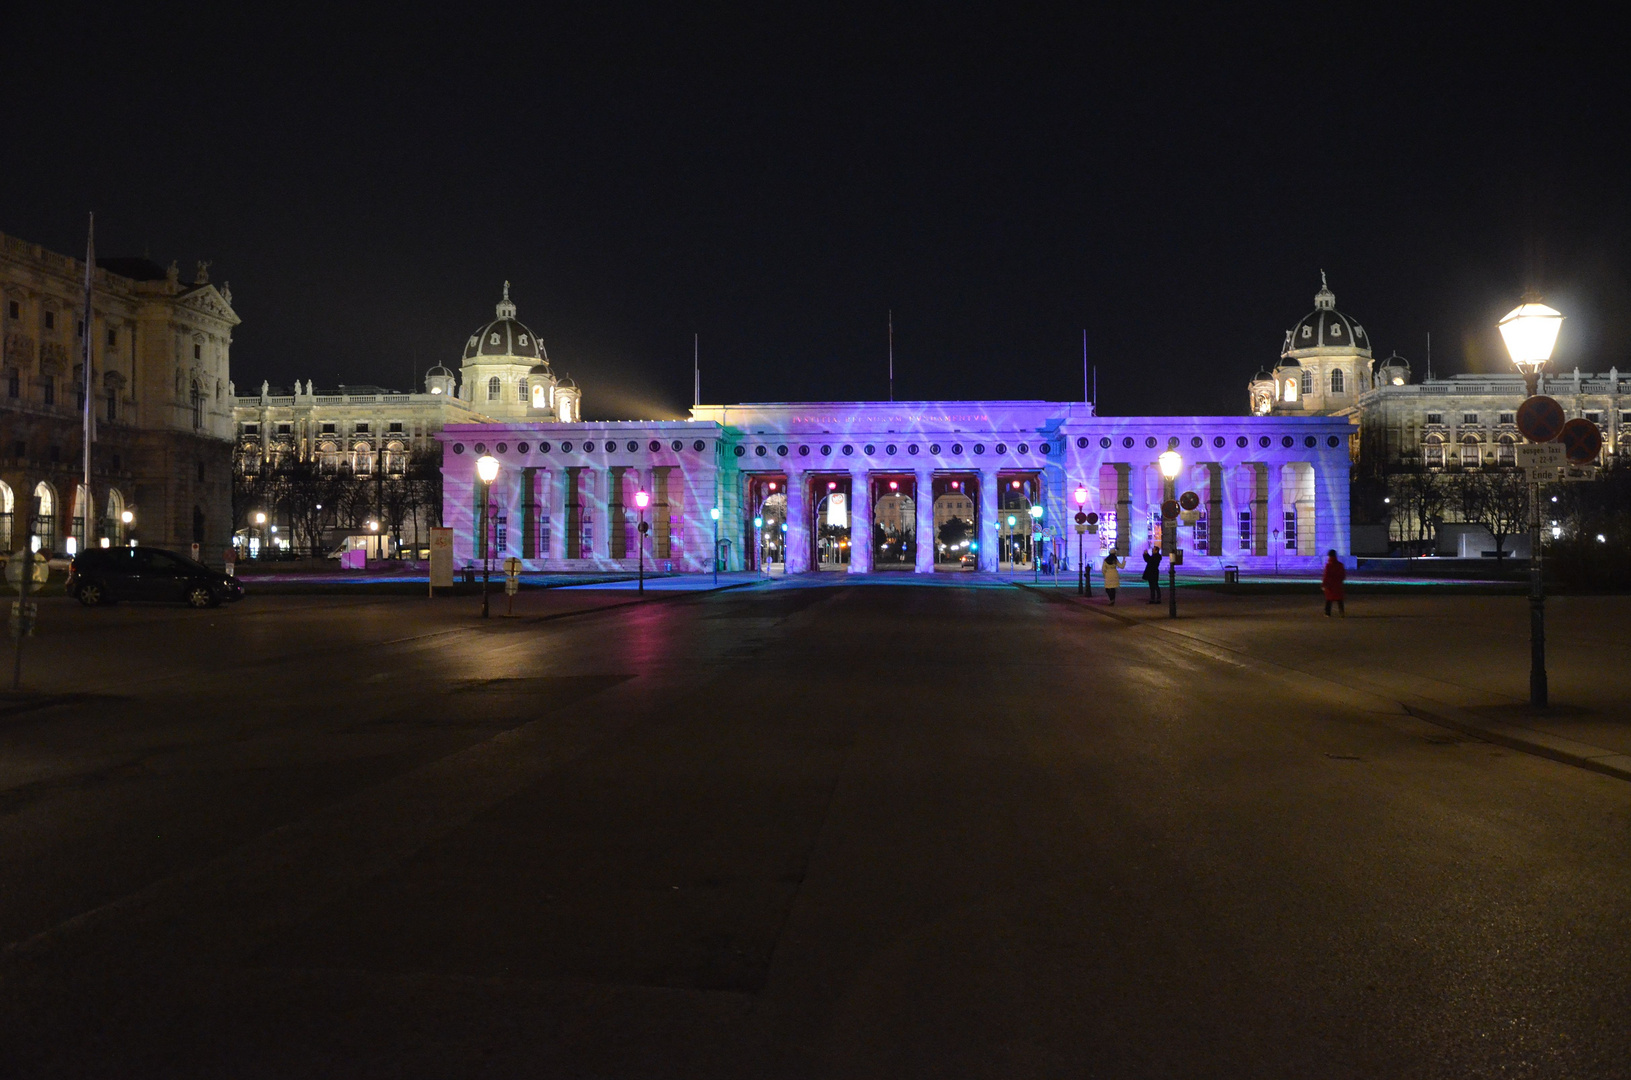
(161, 391)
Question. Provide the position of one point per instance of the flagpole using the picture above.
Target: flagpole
(891, 354)
(696, 374)
(86, 510)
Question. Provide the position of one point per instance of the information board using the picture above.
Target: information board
(441, 558)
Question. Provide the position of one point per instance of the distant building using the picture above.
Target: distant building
(162, 396)
(370, 434)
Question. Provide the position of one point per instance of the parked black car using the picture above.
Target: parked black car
(105, 575)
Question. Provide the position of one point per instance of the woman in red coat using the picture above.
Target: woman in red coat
(1331, 583)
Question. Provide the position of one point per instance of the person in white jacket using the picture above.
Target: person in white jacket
(1112, 577)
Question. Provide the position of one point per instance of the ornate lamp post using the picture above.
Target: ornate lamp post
(1084, 583)
(1530, 332)
(487, 472)
(759, 541)
(260, 527)
(642, 500)
(714, 513)
(1036, 537)
(1171, 465)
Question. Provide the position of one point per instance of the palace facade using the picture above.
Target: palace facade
(161, 393)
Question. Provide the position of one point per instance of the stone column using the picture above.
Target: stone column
(797, 554)
(988, 520)
(923, 500)
(860, 523)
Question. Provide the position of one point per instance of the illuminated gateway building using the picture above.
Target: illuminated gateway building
(924, 486)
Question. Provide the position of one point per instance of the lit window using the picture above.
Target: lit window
(1245, 530)
(1336, 381)
(1291, 530)
(1291, 390)
(493, 390)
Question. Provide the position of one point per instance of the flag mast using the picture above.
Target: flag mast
(891, 354)
(696, 374)
(87, 509)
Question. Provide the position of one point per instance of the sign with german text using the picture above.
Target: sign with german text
(441, 558)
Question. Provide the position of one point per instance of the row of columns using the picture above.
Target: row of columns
(800, 542)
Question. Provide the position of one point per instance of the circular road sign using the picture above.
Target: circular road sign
(1189, 501)
(1081, 517)
(1581, 441)
(1092, 518)
(512, 566)
(1540, 418)
(1169, 509)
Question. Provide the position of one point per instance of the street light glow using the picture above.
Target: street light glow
(487, 468)
(1081, 496)
(260, 519)
(1530, 332)
(642, 499)
(714, 513)
(1171, 463)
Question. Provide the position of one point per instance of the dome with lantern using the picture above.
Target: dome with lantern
(505, 336)
(1325, 331)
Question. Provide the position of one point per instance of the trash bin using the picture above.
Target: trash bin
(1231, 575)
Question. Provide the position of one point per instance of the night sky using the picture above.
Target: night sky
(1170, 181)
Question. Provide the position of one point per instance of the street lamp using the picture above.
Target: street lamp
(1084, 585)
(1036, 535)
(1012, 521)
(642, 500)
(759, 541)
(487, 471)
(260, 527)
(714, 513)
(1171, 464)
(1530, 332)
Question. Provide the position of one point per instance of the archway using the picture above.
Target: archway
(8, 515)
(44, 538)
(894, 522)
(1017, 493)
(766, 524)
(956, 522)
(830, 523)
(113, 525)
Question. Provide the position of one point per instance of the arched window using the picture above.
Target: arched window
(1433, 452)
(113, 526)
(539, 396)
(1469, 452)
(1508, 451)
(8, 514)
(1291, 390)
(493, 389)
(521, 389)
(45, 518)
(198, 406)
(1308, 383)
(1336, 381)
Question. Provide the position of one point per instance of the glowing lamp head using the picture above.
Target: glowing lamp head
(832, 485)
(1530, 332)
(260, 519)
(758, 523)
(127, 517)
(487, 468)
(373, 526)
(714, 513)
(1171, 464)
(1012, 521)
(1014, 484)
(1036, 513)
(642, 499)
(1081, 496)
(773, 485)
(894, 485)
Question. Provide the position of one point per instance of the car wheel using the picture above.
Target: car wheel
(201, 596)
(91, 593)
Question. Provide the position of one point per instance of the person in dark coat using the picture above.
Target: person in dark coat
(1331, 583)
(1152, 573)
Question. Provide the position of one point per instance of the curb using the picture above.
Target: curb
(1581, 755)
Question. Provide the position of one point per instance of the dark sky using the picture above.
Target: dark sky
(1169, 180)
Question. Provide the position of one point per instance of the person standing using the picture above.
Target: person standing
(1112, 577)
(1152, 572)
(1331, 583)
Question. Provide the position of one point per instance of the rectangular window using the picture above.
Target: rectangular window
(328, 429)
(1595, 416)
(1107, 529)
(48, 390)
(1202, 540)
(1291, 530)
(543, 536)
(1245, 530)
(252, 429)
(79, 328)
(1625, 417)
(1469, 418)
(113, 339)
(1509, 418)
(285, 429)
(113, 405)
(198, 352)
(1435, 418)
(50, 320)
(14, 384)
(362, 427)
(501, 531)
(396, 427)
(13, 311)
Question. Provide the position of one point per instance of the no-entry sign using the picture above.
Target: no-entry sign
(1540, 418)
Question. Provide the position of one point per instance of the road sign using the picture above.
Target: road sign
(1092, 518)
(1189, 517)
(1081, 518)
(1081, 529)
(1581, 441)
(1545, 456)
(512, 585)
(512, 566)
(1169, 509)
(1189, 501)
(1540, 418)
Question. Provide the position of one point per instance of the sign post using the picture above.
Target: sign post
(512, 583)
(441, 559)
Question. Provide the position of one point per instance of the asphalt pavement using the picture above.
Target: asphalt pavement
(845, 829)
